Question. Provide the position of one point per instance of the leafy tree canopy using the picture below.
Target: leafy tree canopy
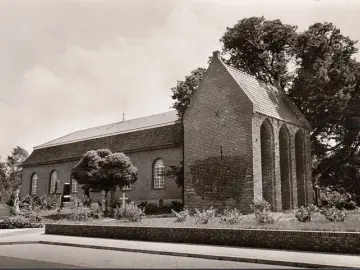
(11, 171)
(104, 169)
(184, 90)
(316, 67)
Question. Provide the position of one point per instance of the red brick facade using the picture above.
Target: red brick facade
(141, 190)
(232, 153)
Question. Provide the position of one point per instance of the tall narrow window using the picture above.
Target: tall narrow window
(284, 151)
(267, 162)
(74, 186)
(159, 177)
(53, 179)
(34, 180)
(300, 167)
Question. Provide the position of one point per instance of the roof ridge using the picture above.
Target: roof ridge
(102, 126)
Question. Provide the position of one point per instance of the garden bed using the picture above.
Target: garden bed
(300, 240)
(286, 222)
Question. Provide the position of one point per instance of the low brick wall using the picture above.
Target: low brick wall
(332, 242)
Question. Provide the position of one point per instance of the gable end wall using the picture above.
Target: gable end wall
(218, 144)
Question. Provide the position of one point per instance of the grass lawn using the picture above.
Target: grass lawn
(286, 222)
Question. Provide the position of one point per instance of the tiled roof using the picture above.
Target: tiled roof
(162, 136)
(268, 100)
(152, 121)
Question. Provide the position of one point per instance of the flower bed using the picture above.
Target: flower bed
(287, 222)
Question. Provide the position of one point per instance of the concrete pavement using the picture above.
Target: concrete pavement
(95, 258)
(12, 262)
(249, 255)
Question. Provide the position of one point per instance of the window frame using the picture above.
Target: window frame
(33, 188)
(158, 180)
(76, 185)
(53, 183)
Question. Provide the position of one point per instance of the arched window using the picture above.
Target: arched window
(34, 180)
(74, 186)
(53, 180)
(267, 162)
(285, 171)
(300, 167)
(158, 171)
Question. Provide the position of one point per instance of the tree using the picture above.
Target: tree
(262, 48)
(2, 179)
(177, 174)
(14, 168)
(105, 170)
(184, 90)
(327, 91)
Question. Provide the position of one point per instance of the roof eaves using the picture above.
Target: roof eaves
(104, 135)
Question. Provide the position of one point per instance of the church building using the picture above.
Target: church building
(243, 140)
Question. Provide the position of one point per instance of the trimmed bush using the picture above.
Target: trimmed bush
(129, 211)
(303, 214)
(205, 216)
(263, 215)
(182, 215)
(18, 222)
(231, 216)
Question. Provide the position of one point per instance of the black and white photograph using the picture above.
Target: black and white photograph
(179, 134)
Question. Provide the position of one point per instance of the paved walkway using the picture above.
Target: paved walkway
(262, 256)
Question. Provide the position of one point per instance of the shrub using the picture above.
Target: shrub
(78, 214)
(263, 215)
(86, 201)
(303, 214)
(231, 216)
(151, 208)
(331, 196)
(33, 216)
(205, 216)
(19, 222)
(31, 202)
(334, 214)
(114, 203)
(129, 211)
(182, 215)
(74, 201)
(177, 206)
(260, 206)
(10, 202)
(96, 212)
(143, 204)
(50, 202)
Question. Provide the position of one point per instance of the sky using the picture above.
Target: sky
(73, 64)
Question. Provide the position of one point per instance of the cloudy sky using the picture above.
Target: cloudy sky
(71, 64)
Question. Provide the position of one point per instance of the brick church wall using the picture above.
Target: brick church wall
(142, 189)
(276, 125)
(218, 144)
